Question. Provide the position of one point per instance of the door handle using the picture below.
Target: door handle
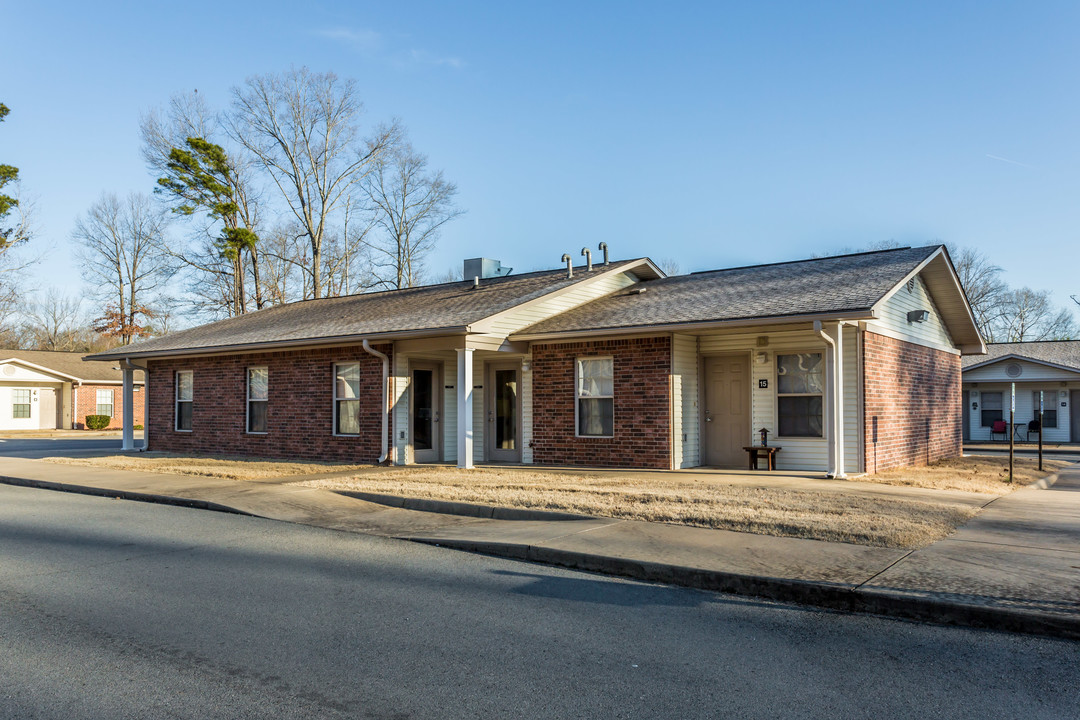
(436, 416)
(491, 416)
(708, 416)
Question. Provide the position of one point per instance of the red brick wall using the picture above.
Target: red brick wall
(87, 404)
(912, 396)
(299, 411)
(642, 405)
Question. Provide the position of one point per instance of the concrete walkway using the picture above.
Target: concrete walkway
(1016, 566)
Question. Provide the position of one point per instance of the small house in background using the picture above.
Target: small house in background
(1051, 368)
(851, 363)
(41, 390)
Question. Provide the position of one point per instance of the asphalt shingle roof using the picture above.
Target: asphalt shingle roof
(426, 308)
(823, 285)
(70, 363)
(1058, 352)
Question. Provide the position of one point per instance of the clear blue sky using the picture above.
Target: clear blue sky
(716, 134)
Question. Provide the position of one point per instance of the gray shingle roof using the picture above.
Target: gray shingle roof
(428, 308)
(824, 285)
(1058, 352)
(70, 363)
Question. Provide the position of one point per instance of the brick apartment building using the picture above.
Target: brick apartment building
(850, 363)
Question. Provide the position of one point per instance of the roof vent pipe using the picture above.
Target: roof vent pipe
(603, 246)
(587, 253)
(569, 266)
(476, 281)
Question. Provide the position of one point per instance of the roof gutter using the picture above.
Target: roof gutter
(383, 411)
(847, 316)
(280, 344)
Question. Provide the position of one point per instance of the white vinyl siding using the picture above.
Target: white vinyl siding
(893, 318)
(684, 407)
(1029, 371)
(1027, 409)
(797, 453)
(559, 302)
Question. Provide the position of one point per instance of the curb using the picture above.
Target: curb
(830, 596)
(447, 507)
(123, 495)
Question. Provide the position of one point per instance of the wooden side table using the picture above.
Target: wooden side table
(756, 451)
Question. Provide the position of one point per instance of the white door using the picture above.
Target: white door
(47, 409)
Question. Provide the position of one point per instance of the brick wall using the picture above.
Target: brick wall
(912, 396)
(642, 438)
(87, 404)
(299, 410)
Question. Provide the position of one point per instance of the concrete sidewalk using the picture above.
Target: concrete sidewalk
(1016, 566)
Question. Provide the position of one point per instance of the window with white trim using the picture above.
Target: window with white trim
(800, 390)
(595, 396)
(185, 392)
(20, 403)
(105, 402)
(992, 409)
(258, 396)
(1049, 408)
(347, 399)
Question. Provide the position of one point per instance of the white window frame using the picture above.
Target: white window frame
(29, 404)
(824, 390)
(177, 400)
(578, 398)
(98, 403)
(334, 402)
(247, 405)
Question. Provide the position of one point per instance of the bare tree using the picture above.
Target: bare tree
(303, 129)
(54, 323)
(1028, 315)
(120, 251)
(409, 205)
(986, 291)
(670, 266)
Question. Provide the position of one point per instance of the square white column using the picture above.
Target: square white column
(838, 403)
(465, 408)
(128, 404)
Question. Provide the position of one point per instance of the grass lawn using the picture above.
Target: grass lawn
(902, 508)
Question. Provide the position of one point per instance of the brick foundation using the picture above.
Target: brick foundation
(87, 404)
(912, 403)
(642, 405)
(300, 408)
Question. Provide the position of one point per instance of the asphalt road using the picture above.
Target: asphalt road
(116, 609)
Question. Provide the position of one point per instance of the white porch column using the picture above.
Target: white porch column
(464, 408)
(838, 402)
(129, 408)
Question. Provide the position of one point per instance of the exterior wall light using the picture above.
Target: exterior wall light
(918, 316)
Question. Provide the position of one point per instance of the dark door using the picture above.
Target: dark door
(504, 413)
(424, 413)
(1074, 416)
(965, 398)
(726, 421)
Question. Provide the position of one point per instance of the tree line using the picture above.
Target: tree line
(283, 195)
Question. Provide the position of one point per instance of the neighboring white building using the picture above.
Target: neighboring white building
(1052, 368)
(42, 390)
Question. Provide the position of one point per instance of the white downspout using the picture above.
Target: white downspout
(835, 379)
(385, 379)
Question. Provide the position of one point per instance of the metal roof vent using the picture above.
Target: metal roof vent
(1014, 370)
(485, 268)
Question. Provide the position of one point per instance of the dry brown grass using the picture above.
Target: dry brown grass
(217, 466)
(685, 499)
(979, 474)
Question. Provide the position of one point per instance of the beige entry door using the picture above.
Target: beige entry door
(726, 420)
(47, 409)
(504, 413)
(425, 431)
